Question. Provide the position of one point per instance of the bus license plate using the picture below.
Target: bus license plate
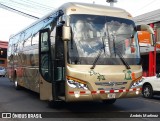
(113, 95)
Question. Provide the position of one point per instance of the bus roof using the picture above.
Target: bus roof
(94, 9)
(83, 8)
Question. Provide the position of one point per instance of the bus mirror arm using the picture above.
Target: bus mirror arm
(66, 33)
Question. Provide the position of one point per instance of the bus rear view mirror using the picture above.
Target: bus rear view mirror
(144, 27)
(66, 33)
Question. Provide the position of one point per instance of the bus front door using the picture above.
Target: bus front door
(59, 65)
(45, 65)
(52, 84)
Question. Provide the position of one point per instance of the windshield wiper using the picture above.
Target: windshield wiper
(115, 52)
(99, 54)
(95, 61)
(120, 55)
(123, 60)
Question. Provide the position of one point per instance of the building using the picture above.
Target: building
(150, 53)
(3, 53)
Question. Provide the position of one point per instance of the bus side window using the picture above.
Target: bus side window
(59, 44)
(27, 42)
(44, 42)
(59, 55)
(35, 39)
(45, 63)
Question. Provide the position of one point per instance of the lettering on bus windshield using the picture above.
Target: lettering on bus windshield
(99, 76)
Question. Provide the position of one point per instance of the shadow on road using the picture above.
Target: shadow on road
(157, 97)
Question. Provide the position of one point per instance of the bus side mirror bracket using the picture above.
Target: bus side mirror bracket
(66, 34)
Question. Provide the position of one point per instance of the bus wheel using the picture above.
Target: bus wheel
(16, 85)
(147, 91)
(111, 101)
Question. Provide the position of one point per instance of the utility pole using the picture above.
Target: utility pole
(111, 2)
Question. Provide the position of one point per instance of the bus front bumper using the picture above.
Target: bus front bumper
(87, 95)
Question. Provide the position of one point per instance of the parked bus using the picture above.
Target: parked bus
(79, 52)
(3, 53)
(3, 62)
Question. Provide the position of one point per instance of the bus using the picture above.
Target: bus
(78, 52)
(3, 62)
(3, 53)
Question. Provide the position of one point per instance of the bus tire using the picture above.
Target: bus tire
(111, 101)
(147, 91)
(16, 85)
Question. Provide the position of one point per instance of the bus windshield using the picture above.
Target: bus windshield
(102, 36)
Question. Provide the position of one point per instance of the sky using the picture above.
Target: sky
(11, 23)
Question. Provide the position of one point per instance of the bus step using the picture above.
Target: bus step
(62, 98)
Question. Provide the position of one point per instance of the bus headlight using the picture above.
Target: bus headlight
(138, 83)
(76, 83)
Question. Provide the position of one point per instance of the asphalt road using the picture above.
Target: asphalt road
(20, 101)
